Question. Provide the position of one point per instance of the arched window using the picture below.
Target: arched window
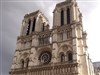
(62, 57)
(27, 62)
(70, 57)
(28, 28)
(33, 27)
(62, 18)
(68, 16)
(22, 63)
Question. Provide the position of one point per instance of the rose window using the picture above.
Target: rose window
(45, 57)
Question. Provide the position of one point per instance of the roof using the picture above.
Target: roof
(64, 3)
(35, 14)
(96, 64)
(32, 14)
(61, 3)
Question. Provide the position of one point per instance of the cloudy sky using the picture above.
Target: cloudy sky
(11, 15)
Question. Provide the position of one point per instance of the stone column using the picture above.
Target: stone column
(72, 13)
(65, 16)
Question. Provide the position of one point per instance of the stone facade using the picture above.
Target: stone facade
(61, 50)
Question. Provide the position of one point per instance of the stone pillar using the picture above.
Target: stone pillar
(65, 16)
(72, 13)
(31, 26)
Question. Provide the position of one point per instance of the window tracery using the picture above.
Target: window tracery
(45, 57)
(44, 39)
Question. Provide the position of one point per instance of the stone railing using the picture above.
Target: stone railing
(51, 69)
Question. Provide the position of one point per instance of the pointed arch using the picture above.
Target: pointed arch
(68, 16)
(62, 17)
(65, 47)
(62, 57)
(27, 62)
(70, 56)
(33, 26)
(22, 63)
(25, 54)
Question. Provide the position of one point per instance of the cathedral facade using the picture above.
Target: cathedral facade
(61, 50)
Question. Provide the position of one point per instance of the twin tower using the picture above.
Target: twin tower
(61, 50)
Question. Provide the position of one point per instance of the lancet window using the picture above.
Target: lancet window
(69, 33)
(28, 28)
(62, 57)
(62, 18)
(27, 62)
(68, 16)
(70, 57)
(22, 63)
(33, 27)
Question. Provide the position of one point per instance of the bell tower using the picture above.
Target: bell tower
(33, 22)
(30, 38)
(69, 39)
(61, 50)
(65, 13)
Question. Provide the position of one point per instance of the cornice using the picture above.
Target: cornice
(23, 49)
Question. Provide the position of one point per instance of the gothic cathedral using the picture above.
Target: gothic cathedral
(61, 50)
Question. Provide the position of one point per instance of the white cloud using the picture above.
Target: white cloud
(92, 26)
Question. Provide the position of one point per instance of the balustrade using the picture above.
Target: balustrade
(52, 69)
(44, 38)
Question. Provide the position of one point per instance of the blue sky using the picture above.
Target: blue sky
(13, 11)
